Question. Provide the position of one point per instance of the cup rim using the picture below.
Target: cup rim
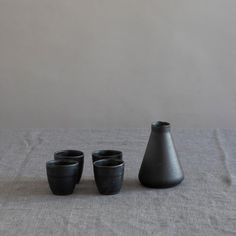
(68, 153)
(121, 163)
(112, 152)
(70, 163)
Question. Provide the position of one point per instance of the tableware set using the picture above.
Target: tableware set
(160, 167)
(65, 171)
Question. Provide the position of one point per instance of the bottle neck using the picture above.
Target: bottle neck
(161, 126)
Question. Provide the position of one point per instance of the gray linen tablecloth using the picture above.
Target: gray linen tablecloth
(204, 204)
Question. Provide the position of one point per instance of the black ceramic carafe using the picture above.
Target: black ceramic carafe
(160, 167)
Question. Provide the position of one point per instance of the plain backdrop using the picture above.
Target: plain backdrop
(117, 63)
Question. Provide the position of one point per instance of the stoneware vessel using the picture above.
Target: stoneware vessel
(160, 167)
(74, 155)
(62, 176)
(108, 175)
(106, 154)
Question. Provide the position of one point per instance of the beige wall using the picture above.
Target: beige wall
(123, 63)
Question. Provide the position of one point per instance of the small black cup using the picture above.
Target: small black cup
(106, 154)
(74, 155)
(108, 175)
(62, 176)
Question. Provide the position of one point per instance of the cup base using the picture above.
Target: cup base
(62, 186)
(62, 193)
(109, 185)
(109, 193)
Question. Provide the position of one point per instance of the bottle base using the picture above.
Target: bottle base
(162, 184)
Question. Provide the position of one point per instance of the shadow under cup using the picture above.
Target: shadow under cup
(109, 174)
(74, 155)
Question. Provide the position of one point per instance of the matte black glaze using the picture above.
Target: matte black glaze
(160, 167)
(62, 176)
(106, 154)
(108, 175)
(74, 155)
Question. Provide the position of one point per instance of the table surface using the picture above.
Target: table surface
(203, 204)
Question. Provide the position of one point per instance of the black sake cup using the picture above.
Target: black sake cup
(62, 176)
(108, 175)
(106, 154)
(74, 155)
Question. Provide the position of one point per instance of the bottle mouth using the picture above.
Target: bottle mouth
(160, 126)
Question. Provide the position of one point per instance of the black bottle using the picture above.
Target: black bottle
(160, 167)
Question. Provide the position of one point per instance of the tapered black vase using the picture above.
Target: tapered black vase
(160, 167)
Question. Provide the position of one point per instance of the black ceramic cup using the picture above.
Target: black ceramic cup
(106, 154)
(108, 175)
(62, 176)
(74, 155)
